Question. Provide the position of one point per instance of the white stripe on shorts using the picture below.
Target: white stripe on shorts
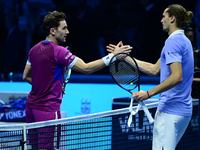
(56, 115)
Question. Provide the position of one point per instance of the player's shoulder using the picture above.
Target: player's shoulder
(59, 48)
(177, 38)
(35, 47)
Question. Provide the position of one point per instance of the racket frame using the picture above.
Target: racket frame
(138, 83)
(140, 104)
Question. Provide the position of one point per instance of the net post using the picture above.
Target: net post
(24, 146)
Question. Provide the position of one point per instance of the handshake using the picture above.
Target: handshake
(115, 49)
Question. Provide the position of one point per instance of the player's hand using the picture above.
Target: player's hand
(63, 89)
(125, 49)
(140, 96)
(119, 48)
(111, 47)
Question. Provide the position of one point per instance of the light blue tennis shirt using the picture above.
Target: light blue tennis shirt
(177, 100)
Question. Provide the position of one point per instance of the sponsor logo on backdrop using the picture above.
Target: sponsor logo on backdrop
(12, 115)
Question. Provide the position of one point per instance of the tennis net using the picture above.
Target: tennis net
(99, 131)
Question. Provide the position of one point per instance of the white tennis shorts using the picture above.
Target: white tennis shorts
(168, 130)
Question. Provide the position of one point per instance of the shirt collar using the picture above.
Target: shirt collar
(177, 32)
(47, 41)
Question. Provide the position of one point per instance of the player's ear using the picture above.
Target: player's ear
(52, 31)
(173, 18)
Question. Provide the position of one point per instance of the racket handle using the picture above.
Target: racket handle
(67, 75)
(150, 118)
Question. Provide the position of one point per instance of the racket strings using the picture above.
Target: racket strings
(127, 82)
(125, 74)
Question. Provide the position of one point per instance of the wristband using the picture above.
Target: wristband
(148, 94)
(107, 59)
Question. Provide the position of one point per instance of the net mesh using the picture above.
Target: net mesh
(106, 130)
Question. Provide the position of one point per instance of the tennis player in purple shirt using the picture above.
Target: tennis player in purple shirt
(45, 72)
(176, 66)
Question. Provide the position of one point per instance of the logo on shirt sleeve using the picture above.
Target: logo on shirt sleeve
(67, 57)
(172, 53)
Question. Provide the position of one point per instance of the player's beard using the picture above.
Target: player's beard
(165, 29)
(62, 40)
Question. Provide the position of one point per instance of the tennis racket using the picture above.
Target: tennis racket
(67, 71)
(125, 72)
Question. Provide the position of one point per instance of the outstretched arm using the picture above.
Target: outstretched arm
(145, 67)
(88, 68)
(149, 68)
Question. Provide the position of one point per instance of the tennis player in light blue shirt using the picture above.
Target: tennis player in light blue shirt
(176, 65)
(176, 68)
(177, 100)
